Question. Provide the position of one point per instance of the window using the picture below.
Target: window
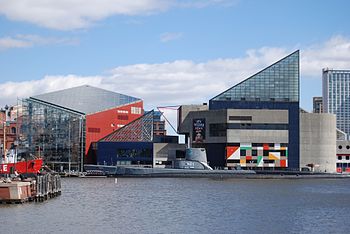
(240, 118)
(217, 130)
(340, 147)
(122, 112)
(123, 117)
(254, 152)
(347, 157)
(94, 130)
(135, 110)
(243, 152)
(339, 157)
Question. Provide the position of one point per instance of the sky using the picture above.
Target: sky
(166, 52)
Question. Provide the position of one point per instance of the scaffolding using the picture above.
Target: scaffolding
(53, 133)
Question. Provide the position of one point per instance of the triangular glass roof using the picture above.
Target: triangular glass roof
(139, 130)
(86, 99)
(277, 83)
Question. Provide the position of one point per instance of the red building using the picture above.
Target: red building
(102, 123)
(61, 125)
(8, 129)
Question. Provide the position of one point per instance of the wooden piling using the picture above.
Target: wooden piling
(39, 189)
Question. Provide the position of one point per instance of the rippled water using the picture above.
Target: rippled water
(183, 205)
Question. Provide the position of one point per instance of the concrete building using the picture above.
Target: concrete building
(343, 156)
(336, 96)
(317, 142)
(256, 124)
(317, 105)
(60, 126)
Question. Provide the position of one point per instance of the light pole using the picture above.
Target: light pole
(69, 159)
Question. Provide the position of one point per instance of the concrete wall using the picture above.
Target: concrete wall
(183, 122)
(318, 141)
(212, 116)
(165, 153)
(260, 115)
(257, 136)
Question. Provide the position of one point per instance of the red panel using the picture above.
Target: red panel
(266, 146)
(248, 157)
(283, 163)
(231, 150)
(347, 169)
(339, 169)
(108, 121)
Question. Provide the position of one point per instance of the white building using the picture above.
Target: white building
(336, 96)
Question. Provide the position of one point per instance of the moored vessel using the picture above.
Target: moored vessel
(10, 165)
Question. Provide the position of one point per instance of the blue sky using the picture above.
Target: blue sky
(166, 52)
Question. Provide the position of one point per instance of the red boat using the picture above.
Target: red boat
(30, 166)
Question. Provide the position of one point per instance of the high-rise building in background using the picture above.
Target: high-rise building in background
(317, 105)
(336, 96)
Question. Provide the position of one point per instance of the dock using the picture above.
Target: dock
(37, 189)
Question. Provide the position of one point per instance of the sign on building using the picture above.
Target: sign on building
(198, 130)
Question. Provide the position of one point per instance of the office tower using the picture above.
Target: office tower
(336, 96)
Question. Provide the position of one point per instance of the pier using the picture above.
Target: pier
(37, 189)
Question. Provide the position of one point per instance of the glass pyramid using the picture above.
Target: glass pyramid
(139, 130)
(277, 83)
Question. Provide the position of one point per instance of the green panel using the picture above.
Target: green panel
(246, 148)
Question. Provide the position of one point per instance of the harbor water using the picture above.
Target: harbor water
(186, 205)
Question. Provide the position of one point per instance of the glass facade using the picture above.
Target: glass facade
(336, 96)
(55, 134)
(276, 83)
(87, 99)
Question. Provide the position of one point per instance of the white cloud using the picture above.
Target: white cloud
(9, 42)
(334, 53)
(184, 81)
(76, 14)
(22, 41)
(170, 36)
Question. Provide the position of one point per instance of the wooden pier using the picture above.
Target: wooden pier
(37, 189)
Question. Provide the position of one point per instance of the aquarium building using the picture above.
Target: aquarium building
(256, 124)
(60, 126)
